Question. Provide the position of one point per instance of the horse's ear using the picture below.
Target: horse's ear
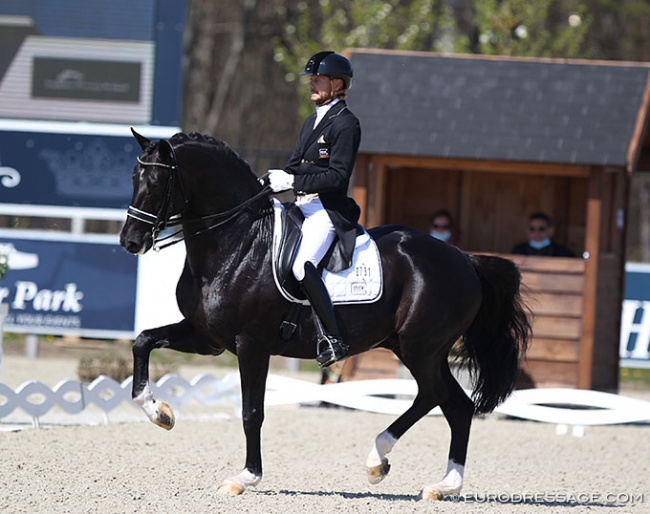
(142, 141)
(166, 151)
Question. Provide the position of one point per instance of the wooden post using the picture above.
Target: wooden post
(592, 247)
(376, 195)
(360, 185)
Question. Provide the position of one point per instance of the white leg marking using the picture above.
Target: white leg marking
(384, 443)
(146, 400)
(246, 479)
(238, 484)
(451, 484)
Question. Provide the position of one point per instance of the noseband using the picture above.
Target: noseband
(162, 219)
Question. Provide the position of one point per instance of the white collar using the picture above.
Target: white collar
(321, 110)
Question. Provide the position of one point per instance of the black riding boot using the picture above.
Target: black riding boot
(330, 346)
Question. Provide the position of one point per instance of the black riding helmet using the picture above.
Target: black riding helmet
(330, 64)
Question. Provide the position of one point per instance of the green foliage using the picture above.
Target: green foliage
(544, 28)
(335, 25)
(4, 265)
(635, 376)
(620, 29)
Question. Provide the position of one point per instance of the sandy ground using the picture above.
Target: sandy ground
(314, 462)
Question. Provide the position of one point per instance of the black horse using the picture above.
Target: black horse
(433, 295)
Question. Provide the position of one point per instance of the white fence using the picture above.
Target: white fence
(563, 407)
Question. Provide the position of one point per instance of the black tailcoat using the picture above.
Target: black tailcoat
(322, 162)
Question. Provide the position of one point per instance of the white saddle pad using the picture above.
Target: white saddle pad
(360, 283)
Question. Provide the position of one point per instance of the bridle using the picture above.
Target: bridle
(162, 219)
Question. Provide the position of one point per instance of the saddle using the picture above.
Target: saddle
(362, 282)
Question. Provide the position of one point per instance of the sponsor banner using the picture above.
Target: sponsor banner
(635, 318)
(69, 287)
(60, 284)
(47, 166)
(117, 81)
(79, 79)
(61, 61)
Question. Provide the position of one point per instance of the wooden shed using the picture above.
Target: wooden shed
(493, 139)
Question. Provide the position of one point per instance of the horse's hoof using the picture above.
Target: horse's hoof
(439, 492)
(432, 494)
(231, 488)
(165, 418)
(377, 473)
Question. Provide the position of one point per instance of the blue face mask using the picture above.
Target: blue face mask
(443, 236)
(538, 245)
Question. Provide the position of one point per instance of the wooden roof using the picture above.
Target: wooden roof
(501, 108)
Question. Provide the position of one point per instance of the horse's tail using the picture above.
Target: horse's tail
(496, 341)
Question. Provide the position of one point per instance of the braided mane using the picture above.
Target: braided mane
(215, 145)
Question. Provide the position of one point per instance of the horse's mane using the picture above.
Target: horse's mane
(216, 147)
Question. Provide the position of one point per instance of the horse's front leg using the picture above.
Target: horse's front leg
(179, 336)
(253, 371)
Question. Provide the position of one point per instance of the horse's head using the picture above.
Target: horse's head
(158, 196)
(214, 187)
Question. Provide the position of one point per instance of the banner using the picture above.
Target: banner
(66, 169)
(69, 287)
(86, 60)
(635, 319)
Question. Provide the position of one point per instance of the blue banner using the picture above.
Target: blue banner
(86, 60)
(69, 287)
(79, 170)
(635, 318)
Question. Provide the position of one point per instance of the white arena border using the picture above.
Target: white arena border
(563, 407)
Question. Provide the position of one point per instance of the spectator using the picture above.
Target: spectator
(540, 239)
(441, 227)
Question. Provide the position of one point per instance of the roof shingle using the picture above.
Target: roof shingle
(503, 109)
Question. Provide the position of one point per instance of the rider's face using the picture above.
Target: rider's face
(322, 88)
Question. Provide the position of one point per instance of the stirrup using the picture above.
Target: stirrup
(330, 349)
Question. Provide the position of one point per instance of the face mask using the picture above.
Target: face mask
(443, 236)
(538, 245)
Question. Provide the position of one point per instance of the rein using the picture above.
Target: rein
(162, 220)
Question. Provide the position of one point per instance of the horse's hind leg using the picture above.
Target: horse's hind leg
(458, 410)
(179, 336)
(430, 393)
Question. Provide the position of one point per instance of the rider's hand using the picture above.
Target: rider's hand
(280, 180)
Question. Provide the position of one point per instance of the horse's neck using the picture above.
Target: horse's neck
(244, 241)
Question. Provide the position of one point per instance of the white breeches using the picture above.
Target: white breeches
(317, 235)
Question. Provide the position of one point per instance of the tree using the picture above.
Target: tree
(619, 30)
(315, 25)
(234, 90)
(543, 28)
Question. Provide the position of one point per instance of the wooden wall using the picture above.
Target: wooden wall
(490, 209)
(576, 301)
(553, 291)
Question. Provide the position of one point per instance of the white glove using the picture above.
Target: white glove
(280, 180)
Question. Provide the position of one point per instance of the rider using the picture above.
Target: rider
(319, 172)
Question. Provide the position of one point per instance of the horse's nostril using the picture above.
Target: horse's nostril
(132, 247)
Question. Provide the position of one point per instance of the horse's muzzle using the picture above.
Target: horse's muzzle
(134, 242)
